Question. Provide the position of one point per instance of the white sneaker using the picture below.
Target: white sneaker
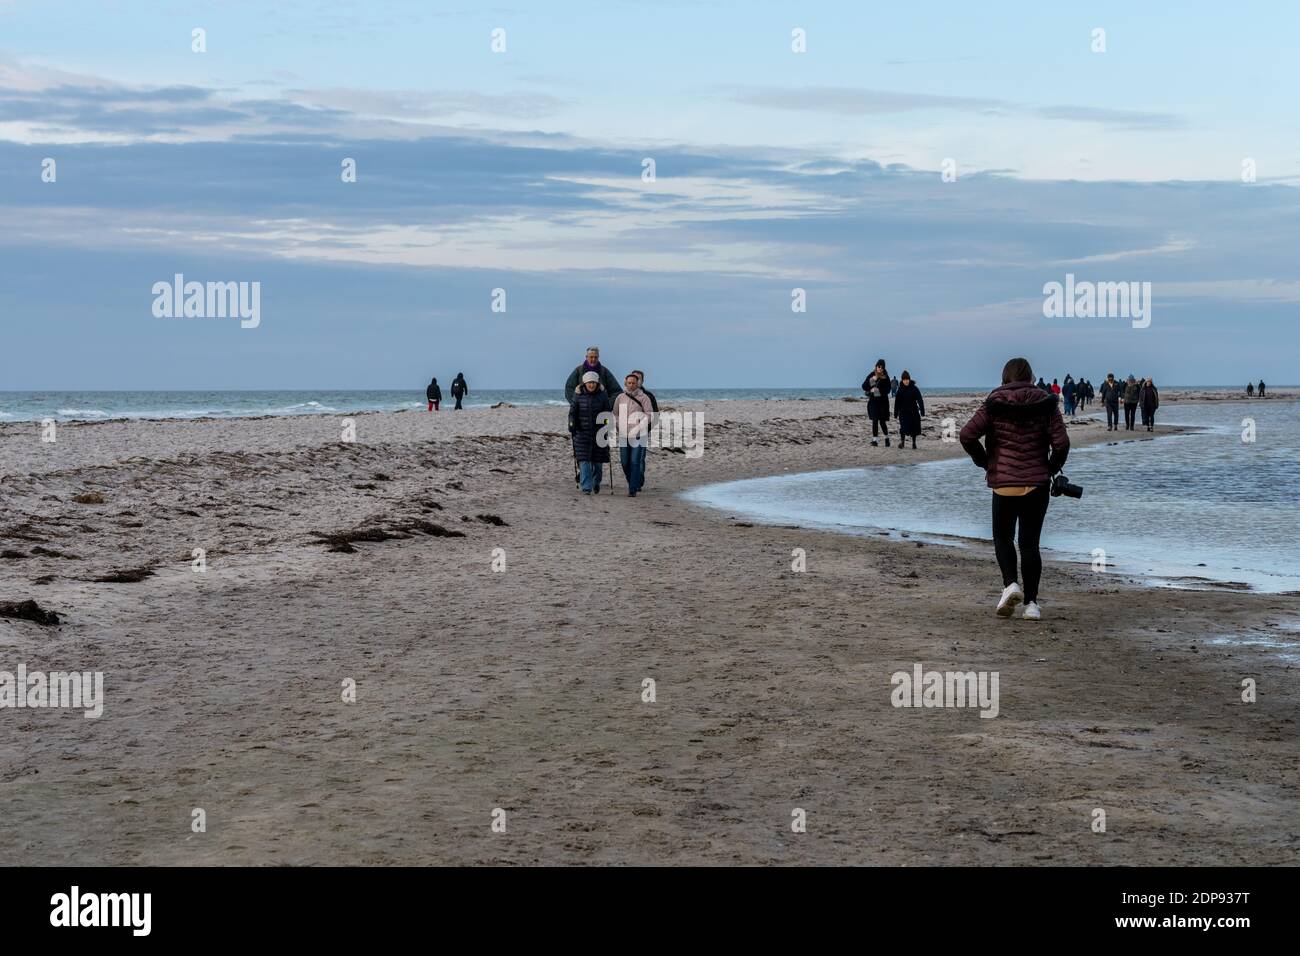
(1031, 612)
(1011, 596)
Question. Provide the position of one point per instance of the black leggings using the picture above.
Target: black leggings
(1130, 413)
(1112, 416)
(1029, 511)
(883, 425)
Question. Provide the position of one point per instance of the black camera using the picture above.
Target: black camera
(1061, 486)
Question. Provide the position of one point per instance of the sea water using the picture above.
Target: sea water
(1204, 504)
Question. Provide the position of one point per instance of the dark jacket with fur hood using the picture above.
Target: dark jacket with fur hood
(1024, 437)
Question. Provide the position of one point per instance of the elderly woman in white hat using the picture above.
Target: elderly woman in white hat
(586, 416)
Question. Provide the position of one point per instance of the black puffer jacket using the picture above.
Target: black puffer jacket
(1025, 438)
(433, 393)
(584, 411)
(909, 406)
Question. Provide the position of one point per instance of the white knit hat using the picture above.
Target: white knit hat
(590, 377)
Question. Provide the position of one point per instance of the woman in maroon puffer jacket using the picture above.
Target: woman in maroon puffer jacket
(1025, 444)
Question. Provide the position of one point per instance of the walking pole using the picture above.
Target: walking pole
(608, 417)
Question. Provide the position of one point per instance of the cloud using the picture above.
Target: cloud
(857, 101)
(38, 104)
(429, 104)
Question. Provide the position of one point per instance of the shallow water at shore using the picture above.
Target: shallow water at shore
(1184, 509)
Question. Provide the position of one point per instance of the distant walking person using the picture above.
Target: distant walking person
(434, 394)
(909, 408)
(1132, 392)
(1150, 402)
(1261, 388)
(459, 389)
(1110, 392)
(1069, 391)
(876, 385)
(632, 413)
(609, 385)
(586, 411)
(893, 387)
(1024, 445)
(1250, 389)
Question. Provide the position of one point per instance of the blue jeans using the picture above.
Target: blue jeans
(632, 459)
(589, 475)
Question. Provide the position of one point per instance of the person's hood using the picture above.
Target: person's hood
(1019, 396)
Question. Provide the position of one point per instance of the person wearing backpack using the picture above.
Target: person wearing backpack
(459, 389)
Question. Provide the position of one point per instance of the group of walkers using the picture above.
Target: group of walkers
(1136, 395)
(1252, 392)
(909, 404)
(459, 389)
(596, 399)
(1074, 395)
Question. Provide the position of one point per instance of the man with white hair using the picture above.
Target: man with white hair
(592, 364)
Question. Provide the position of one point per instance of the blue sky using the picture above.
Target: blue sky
(522, 170)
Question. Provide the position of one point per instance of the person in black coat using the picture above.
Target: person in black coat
(1150, 401)
(434, 394)
(877, 387)
(586, 416)
(909, 407)
(459, 388)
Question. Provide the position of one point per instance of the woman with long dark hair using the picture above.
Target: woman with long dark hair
(877, 386)
(1024, 445)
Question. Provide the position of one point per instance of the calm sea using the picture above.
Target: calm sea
(101, 406)
(1192, 505)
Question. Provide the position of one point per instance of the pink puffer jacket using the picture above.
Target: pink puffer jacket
(1025, 441)
(639, 413)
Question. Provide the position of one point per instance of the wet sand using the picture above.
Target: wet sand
(521, 689)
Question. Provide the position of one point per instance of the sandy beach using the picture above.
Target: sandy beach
(329, 561)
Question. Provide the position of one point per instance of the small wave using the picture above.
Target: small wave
(83, 412)
(302, 408)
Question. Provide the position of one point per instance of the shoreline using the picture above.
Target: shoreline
(1171, 394)
(697, 497)
(521, 688)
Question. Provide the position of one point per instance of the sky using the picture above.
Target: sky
(919, 171)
